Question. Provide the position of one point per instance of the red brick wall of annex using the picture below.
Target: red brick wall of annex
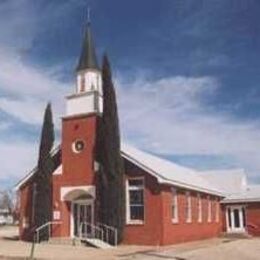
(158, 228)
(253, 218)
(183, 231)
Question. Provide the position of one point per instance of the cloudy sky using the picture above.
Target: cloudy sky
(187, 75)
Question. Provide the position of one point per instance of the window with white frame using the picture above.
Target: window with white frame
(174, 205)
(199, 207)
(188, 207)
(217, 210)
(135, 200)
(209, 209)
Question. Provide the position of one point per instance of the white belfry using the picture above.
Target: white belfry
(88, 97)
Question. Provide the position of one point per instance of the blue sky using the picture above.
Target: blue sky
(186, 73)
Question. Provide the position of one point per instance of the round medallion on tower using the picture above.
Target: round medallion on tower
(78, 146)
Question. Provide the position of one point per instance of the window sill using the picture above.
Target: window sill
(175, 221)
(133, 223)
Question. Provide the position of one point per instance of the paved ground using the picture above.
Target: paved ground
(213, 249)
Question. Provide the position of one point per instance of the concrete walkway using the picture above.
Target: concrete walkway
(213, 249)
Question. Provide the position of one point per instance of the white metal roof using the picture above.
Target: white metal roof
(230, 183)
(229, 180)
(250, 194)
(54, 151)
(165, 171)
(168, 172)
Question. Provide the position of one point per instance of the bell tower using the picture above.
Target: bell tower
(84, 107)
(87, 98)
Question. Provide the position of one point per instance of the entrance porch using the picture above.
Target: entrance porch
(79, 220)
(81, 202)
(236, 219)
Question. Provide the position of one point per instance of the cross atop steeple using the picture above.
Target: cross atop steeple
(88, 59)
(88, 15)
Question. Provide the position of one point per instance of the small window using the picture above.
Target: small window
(78, 146)
(174, 206)
(135, 201)
(209, 209)
(188, 207)
(217, 210)
(82, 83)
(199, 208)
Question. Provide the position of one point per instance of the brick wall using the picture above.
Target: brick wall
(25, 214)
(183, 231)
(253, 218)
(78, 168)
(158, 228)
(148, 233)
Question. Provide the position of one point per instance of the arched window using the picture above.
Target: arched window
(82, 83)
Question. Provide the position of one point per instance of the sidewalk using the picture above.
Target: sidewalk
(213, 249)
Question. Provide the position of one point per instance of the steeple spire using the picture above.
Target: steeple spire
(88, 58)
(88, 98)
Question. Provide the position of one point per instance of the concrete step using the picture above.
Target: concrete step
(240, 235)
(97, 243)
(64, 241)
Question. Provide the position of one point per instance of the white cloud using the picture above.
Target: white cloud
(28, 89)
(17, 158)
(168, 116)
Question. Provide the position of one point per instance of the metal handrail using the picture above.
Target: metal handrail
(49, 223)
(114, 232)
(92, 226)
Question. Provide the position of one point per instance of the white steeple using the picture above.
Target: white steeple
(88, 96)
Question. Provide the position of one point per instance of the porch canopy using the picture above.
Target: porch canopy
(73, 193)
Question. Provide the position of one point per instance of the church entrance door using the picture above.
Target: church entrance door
(82, 219)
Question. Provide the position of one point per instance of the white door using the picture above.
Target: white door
(82, 219)
(236, 221)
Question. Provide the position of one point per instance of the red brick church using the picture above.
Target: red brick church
(165, 203)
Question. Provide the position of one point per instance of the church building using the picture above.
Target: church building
(165, 203)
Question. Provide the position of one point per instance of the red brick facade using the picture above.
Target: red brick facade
(253, 218)
(158, 228)
(77, 169)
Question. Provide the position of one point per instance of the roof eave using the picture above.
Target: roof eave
(28, 176)
(240, 200)
(163, 180)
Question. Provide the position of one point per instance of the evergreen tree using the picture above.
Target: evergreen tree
(111, 185)
(43, 191)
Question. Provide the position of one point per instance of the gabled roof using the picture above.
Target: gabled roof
(229, 180)
(54, 152)
(168, 172)
(250, 194)
(165, 171)
(88, 58)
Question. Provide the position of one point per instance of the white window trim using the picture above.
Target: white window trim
(199, 204)
(128, 219)
(175, 218)
(188, 208)
(209, 210)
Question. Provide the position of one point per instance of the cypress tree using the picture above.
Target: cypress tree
(43, 190)
(111, 185)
